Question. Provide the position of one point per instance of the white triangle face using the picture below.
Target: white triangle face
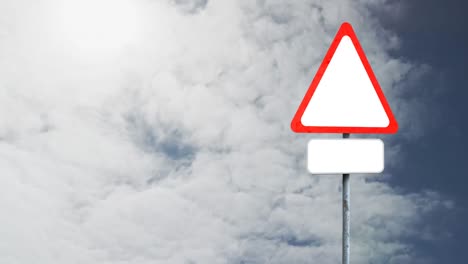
(345, 96)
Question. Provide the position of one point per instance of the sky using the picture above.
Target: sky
(434, 33)
(155, 131)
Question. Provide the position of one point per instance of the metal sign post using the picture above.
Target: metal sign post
(346, 215)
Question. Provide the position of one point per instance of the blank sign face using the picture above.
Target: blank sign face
(338, 156)
(345, 95)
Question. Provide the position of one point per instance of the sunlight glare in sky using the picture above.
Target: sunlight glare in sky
(99, 26)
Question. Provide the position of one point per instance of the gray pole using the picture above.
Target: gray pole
(346, 215)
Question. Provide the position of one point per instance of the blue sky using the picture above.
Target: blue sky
(434, 33)
(158, 132)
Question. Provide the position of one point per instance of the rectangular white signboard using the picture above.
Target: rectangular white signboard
(338, 156)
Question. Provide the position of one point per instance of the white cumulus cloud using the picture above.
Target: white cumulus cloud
(176, 148)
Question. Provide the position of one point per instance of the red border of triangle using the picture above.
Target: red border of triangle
(296, 124)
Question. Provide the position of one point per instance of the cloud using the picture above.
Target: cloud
(177, 149)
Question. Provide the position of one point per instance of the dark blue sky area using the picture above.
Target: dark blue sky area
(435, 33)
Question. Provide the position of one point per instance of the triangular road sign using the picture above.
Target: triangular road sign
(344, 96)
